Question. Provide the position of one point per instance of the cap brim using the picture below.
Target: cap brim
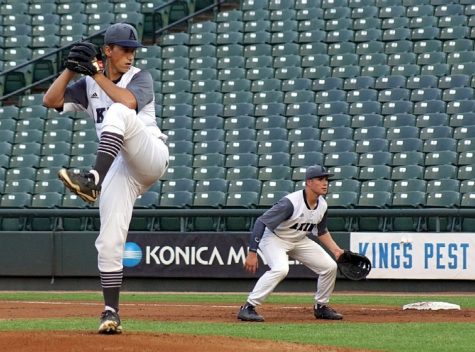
(326, 174)
(128, 43)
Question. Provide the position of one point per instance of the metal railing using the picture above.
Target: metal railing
(456, 214)
(57, 52)
(186, 18)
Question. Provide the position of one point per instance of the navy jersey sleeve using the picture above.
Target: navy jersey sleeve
(280, 212)
(76, 93)
(141, 86)
(322, 226)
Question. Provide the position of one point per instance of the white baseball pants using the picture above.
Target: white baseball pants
(276, 252)
(142, 161)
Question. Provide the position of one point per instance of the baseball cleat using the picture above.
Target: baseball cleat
(248, 313)
(110, 323)
(81, 184)
(325, 312)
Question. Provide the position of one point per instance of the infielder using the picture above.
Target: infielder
(282, 232)
(131, 155)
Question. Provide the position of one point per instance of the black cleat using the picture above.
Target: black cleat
(81, 184)
(248, 313)
(325, 312)
(110, 323)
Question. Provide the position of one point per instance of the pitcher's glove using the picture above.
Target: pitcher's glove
(85, 58)
(354, 266)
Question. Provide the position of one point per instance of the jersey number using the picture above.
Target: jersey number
(100, 114)
(307, 227)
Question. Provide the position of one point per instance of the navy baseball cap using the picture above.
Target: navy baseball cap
(316, 171)
(122, 34)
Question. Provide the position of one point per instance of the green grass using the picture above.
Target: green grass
(406, 337)
(387, 300)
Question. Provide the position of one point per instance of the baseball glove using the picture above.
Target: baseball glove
(84, 58)
(354, 266)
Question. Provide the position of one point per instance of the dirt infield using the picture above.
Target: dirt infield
(131, 341)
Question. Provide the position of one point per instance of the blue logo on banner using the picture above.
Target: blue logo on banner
(132, 254)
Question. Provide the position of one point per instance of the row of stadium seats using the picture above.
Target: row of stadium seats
(218, 199)
(380, 91)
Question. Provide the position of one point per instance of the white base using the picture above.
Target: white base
(431, 306)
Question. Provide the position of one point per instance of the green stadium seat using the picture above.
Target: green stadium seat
(52, 185)
(369, 132)
(375, 172)
(409, 185)
(442, 199)
(275, 172)
(344, 185)
(240, 200)
(179, 184)
(241, 172)
(374, 158)
(376, 199)
(466, 158)
(175, 200)
(18, 186)
(245, 185)
(463, 57)
(268, 97)
(241, 159)
(272, 108)
(213, 184)
(268, 199)
(49, 200)
(407, 171)
(345, 200)
(407, 199)
(340, 172)
(467, 201)
(205, 85)
(433, 132)
(366, 120)
(177, 172)
(23, 172)
(341, 158)
(208, 199)
(27, 160)
(15, 200)
(244, 146)
(458, 107)
(273, 121)
(445, 157)
(434, 172)
(208, 172)
(272, 186)
(466, 172)
(306, 146)
(240, 134)
(274, 159)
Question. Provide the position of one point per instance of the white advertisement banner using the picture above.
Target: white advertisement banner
(418, 255)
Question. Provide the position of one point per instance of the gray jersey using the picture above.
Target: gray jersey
(87, 95)
(292, 219)
(302, 221)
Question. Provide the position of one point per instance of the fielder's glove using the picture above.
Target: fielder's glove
(85, 58)
(354, 266)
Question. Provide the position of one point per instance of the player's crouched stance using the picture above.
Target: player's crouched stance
(282, 232)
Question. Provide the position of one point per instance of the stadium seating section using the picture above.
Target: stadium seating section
(379, 91)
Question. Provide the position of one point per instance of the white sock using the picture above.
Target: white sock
(110, 308)
(96, 176)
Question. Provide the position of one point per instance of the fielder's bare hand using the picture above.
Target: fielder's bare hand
(251, 262)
